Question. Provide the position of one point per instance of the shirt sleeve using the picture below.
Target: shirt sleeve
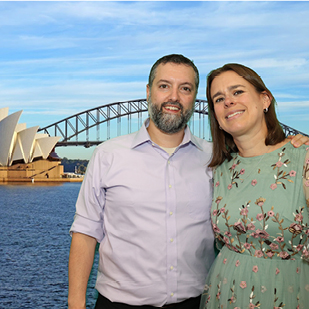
(89, 215)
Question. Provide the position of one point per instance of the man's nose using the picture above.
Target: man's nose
(174, 95)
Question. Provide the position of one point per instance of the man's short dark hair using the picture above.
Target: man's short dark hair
(173, 58)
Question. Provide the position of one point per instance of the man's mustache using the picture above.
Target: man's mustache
(172, 103)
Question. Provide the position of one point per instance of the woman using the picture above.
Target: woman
(259, 210)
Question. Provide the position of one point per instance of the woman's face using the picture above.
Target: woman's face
(238, 106)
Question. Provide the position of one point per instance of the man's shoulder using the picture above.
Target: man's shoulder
(119, 142)
(201, 143)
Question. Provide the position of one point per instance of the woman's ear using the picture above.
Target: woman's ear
(266, 99)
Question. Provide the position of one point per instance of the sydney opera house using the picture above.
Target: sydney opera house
(25, 154)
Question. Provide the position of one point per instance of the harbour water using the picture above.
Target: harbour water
(34, 245)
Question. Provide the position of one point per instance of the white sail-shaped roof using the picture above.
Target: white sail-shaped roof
(25, 144)
(37, 152)
(15, 143)
(18, 153)
(47, 144)
(44, 145)
(40, 135)
(7, 130)
(20, 127)
(4, 111)
(19, 143)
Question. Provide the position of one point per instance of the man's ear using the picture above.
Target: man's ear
(147, 91)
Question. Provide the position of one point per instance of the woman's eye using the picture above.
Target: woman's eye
(218, 100)
(238, 92)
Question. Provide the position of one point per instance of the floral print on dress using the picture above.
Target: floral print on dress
(282, 175)
(269, 246)
(306, 178)
(235, 174)
(259, 228)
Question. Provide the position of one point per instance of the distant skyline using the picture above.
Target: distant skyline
(61, 58)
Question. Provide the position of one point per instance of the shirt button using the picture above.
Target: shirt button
(171, 239)
(168, 161)
(169, 186)
(171, 213)
(172, 294)
(171, 268)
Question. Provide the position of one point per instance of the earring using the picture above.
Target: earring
(265, 110)
(220, 127)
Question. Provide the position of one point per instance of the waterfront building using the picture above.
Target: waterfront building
(26, 155)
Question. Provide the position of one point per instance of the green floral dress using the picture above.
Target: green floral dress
(260, 219)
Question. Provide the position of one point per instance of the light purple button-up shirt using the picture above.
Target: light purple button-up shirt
(150, 212)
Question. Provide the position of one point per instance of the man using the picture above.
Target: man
(146, 199)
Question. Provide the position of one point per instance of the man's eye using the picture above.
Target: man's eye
(187, 89)
(163, 86)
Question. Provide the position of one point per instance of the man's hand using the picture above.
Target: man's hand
(298, 140)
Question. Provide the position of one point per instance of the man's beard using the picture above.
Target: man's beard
(169, 123)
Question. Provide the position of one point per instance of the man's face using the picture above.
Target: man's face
(172, 96)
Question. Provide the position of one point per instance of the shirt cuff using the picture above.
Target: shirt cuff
(88, 227)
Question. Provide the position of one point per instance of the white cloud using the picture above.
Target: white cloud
(294, 105)
(58, 57)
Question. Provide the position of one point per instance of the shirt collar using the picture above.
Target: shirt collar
(142, 136)
(190, 138)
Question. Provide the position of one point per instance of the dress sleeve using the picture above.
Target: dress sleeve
(305, 253)
(306, 177)
(218, 244)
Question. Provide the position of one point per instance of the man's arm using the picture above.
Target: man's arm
(299, 140)
(80, 264)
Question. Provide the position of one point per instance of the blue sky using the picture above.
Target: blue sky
(60, 58)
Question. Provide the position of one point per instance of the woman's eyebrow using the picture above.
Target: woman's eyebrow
(229, 88)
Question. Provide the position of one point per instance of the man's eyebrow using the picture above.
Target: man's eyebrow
(163, 81)
(169, 82)
(229, 88)
(188, 83)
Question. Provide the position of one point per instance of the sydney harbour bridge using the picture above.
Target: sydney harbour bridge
(96, 125)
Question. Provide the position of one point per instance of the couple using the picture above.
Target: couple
(146, 198)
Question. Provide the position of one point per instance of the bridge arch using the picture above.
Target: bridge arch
(95, 125)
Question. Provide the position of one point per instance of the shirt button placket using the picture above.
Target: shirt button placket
(171, 232)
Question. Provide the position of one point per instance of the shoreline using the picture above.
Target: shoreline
(34, 180)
